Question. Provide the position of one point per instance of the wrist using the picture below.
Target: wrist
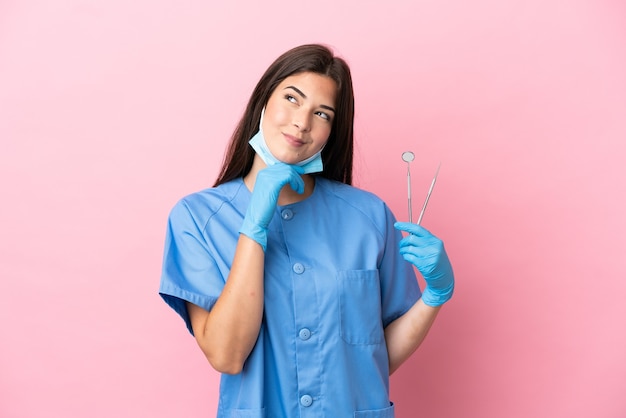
(437, 297)
(255, 232)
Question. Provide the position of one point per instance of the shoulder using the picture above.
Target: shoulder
(201, 206)
(350, 194)
(359, 200)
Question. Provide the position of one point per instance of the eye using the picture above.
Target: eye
(291, 98)
(323, 115)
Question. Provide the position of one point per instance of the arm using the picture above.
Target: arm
(427, 253)
(227, 334)
(405, 334)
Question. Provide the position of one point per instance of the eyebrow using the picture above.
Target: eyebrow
(297, 90)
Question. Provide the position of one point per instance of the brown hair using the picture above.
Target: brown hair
(337, 154)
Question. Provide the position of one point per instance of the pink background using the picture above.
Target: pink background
(111, 111)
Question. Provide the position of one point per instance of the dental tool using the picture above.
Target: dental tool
(408, 156)
(430, 190)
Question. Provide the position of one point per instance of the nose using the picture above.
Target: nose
(301, 121)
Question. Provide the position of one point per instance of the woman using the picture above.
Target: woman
(293, 282)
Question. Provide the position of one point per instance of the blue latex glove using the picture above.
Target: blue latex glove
(267, 187)
(426, 252)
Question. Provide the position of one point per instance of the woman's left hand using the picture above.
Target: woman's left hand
(427, 253)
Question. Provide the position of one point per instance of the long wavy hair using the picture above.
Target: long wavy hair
(338, 152)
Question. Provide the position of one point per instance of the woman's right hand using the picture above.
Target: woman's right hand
(269, 182)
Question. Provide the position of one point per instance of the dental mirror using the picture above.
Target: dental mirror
(408, 156)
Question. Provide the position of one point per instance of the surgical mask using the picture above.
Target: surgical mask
(313, 164)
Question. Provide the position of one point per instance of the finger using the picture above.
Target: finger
(293, 177)
(426, 251)
(289, 167)
(412, 259)
(417, 241)
(425, 264)
(281, 174)
(412, 228)
(297, 169)
(296, 183)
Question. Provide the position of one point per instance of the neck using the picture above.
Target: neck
(287, 194)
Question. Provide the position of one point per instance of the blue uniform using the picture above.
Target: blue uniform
(334, 279)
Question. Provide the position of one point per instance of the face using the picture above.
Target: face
(299, 116)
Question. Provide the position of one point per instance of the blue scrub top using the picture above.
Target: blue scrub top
(334, 279)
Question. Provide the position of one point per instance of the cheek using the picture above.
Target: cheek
(274, 113)
(324, 134)
(320, 142)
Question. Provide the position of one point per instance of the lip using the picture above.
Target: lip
(293, 140)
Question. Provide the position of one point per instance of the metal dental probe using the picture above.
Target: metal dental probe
(432, 185)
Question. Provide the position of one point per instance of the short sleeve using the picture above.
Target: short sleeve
(189, 270)
(400, 289)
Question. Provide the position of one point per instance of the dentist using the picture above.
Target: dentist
(298, 287)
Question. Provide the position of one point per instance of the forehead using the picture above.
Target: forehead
(316, 87)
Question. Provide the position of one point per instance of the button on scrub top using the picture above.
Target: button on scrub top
(334, 278)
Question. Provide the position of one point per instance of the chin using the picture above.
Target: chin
(291, 161)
